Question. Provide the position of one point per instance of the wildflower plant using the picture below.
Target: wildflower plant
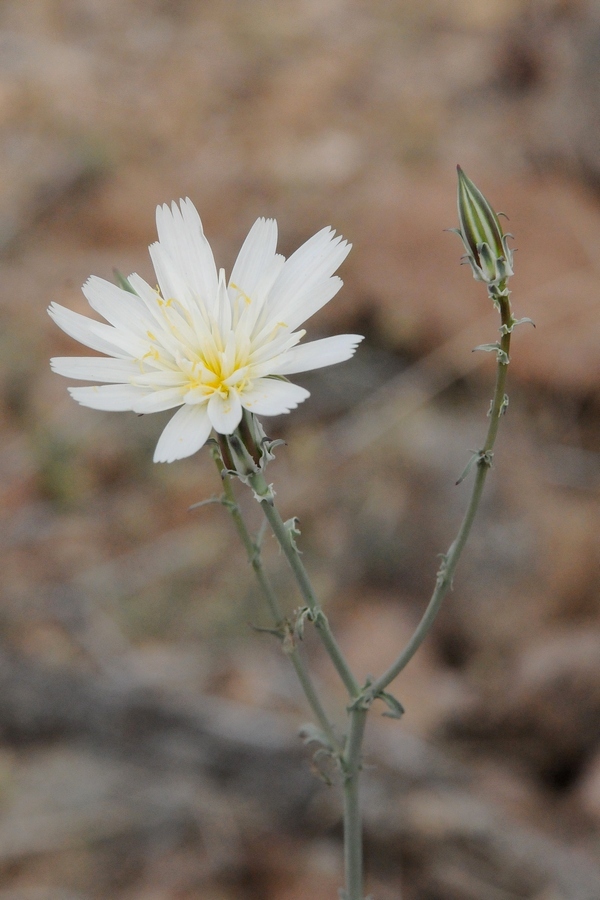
(210, 347)
(220, 352)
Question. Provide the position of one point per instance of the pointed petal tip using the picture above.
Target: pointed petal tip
(184, 434)
(165, 455)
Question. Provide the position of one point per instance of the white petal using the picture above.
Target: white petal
(255, 258)
(147, 294)
(155, 305)
(159, 400)
(317, 354)
(223, 312)
(270, 347)
(310, 301)
(159, 378)
(299, 309)
(313, 263)
(171, 281)
(187, 431)
(181, 234)
(271, 397)
(111, 397)
(166, 319)
(91, 368)
(251, 308)
(121, 308)
(225, 413)
(197, 394)
(95, 335)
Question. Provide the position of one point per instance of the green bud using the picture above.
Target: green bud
(488, 253)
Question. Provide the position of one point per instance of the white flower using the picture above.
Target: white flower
(203, 345)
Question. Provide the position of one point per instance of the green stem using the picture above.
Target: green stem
(351, 768)
(252, 550)
(350, 759)
(484, 462)
(297, 566)
(288, 640)
(313, 699)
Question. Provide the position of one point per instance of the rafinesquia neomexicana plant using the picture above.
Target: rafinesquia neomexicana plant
(220, 352)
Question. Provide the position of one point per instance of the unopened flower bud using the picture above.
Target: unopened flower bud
(488, 253)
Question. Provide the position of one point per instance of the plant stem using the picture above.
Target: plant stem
(306, 589)
(484, 462)
(288, 640)
(351, 768)
(252, 550)
(350, 757)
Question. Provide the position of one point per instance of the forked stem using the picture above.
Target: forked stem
(317, 615)
(349, 753)
(483, 465)
(281, 626)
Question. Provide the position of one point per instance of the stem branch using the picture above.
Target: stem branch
(350, 755)
(484, 462)
(290, 648)
(306, 589)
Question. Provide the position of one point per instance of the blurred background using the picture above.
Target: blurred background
(148, 735)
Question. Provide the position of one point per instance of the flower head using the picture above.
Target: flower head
(200, 343)
(487, 250)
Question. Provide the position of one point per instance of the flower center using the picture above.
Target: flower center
(208, 359)
(217, 373)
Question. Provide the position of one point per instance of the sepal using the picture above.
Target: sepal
(480, 230)
(247, 452)
(123, 282)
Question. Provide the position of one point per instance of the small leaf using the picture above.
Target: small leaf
(303, 615)
(512, 324)
(310, 734)
(442, 573)
(276, 632)
(468, 467)
(291, 526)
(223, 501)
(268, 496)
(488, 348)
(395, 709)
(485, 458)
(322, 758)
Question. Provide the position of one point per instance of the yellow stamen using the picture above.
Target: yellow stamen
(152, 354)
(242, 293)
